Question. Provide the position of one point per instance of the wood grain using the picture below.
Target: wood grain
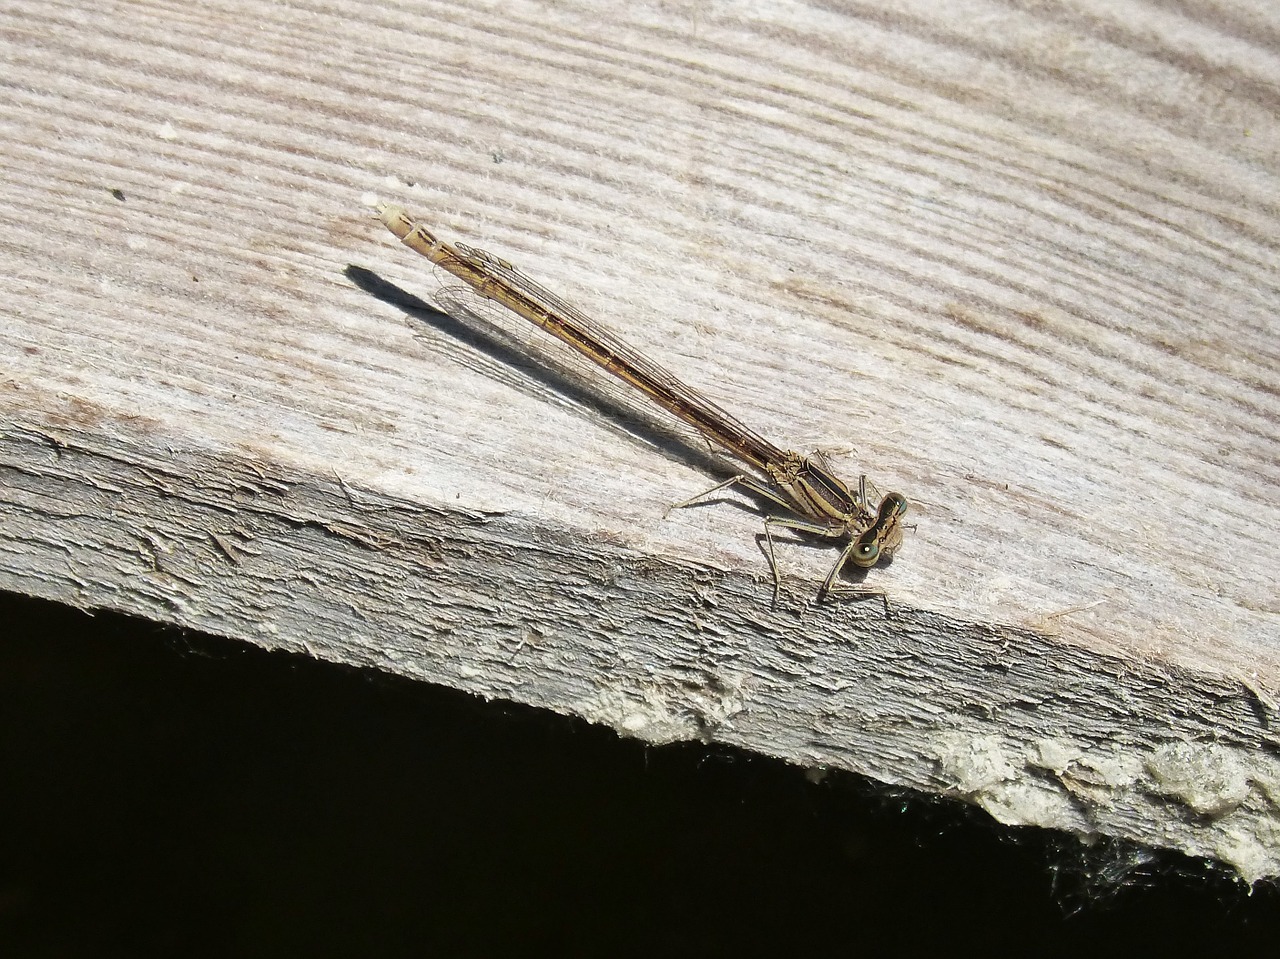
(1015, 260)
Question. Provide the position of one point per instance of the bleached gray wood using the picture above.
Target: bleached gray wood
(1018, 262)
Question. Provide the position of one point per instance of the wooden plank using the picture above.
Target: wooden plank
(1018, 264)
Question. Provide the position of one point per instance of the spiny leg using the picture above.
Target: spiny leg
(752, 485)
(749, 483)
(829, 586)
(834, 588)
(800, 526)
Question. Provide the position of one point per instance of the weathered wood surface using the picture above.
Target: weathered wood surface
(1017, 261)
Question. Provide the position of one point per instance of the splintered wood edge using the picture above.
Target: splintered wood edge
(1034, 731)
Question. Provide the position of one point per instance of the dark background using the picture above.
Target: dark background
(168, 793)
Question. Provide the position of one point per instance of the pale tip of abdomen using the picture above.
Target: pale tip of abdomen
(394, 218)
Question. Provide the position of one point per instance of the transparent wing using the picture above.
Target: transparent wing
(515, 352)
(629, 364)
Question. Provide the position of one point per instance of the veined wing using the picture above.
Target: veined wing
(540, 306)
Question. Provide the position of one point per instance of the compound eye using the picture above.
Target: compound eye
(867, 554)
